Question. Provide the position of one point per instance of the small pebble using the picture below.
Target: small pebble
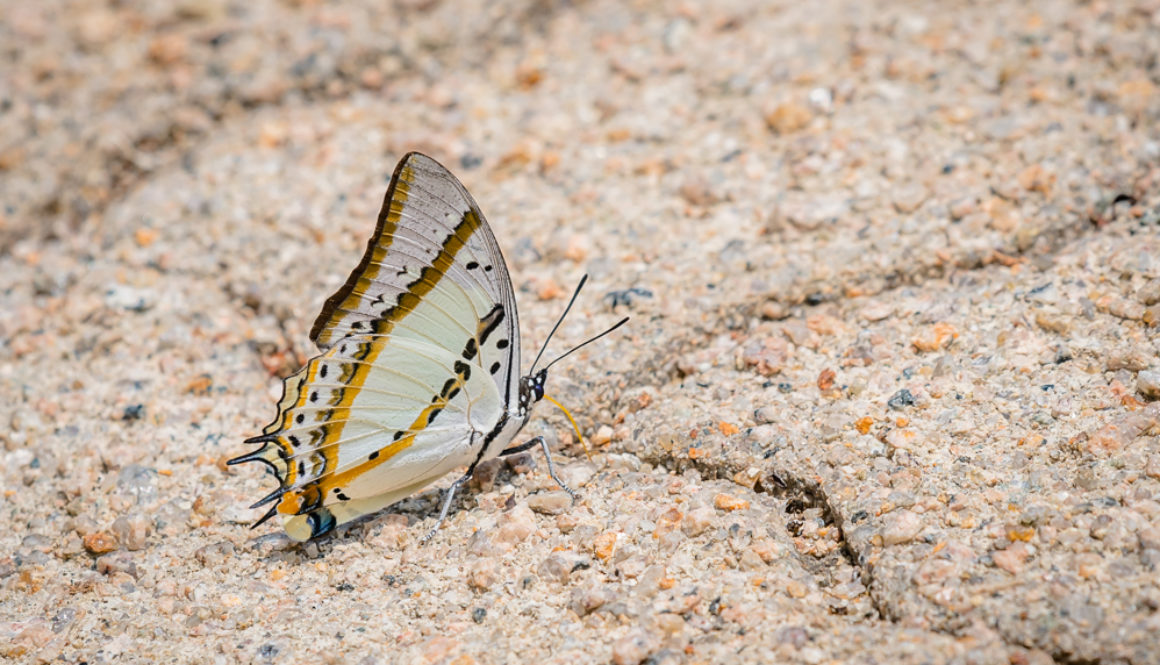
(826, 379)
(900, 400)
(765, 415)
(550, 503)
(567, 522)
(586, 600)
(632, 567)
(131, 531)
(521, 463)
(1152, 467)
(577, 474)
(960, 208)
(1133, 360)
(909, 197)
(518, 524)
(730, 503)
(605, 545)
(100, 542)
(788, 118)
(876, 311)
(603, 436)
(482, 574)
(901, 526)
(84, 525)
(774, 310)
(557, 566)
(796, 589)
(214, 554)
(1149, 294)
(633, 648)
(696, 191)
(935, 337)
(1056, 323)
(1148, 383)
(1012, 559)
(138, 482)
(117, 562)
(766, 549)
(697, 521)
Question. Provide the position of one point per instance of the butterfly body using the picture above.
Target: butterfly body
(419, 366)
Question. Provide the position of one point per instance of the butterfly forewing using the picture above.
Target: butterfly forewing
(420, 352)
(424, 206)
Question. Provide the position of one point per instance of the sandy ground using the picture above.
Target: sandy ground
(888, 394)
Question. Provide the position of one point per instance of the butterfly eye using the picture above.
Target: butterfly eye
(538, 384)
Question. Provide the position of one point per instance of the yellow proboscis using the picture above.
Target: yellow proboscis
(575, 427)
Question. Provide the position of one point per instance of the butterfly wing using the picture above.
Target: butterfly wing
(424, 206)
(420, 351)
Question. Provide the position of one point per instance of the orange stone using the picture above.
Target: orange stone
(935, 337)
(729, 502)
(605, 545)
(100, 542)
(145, 236)
(826, 379)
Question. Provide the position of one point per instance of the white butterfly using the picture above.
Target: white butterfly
(419, 370)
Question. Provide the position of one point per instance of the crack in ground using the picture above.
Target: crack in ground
(800, 495)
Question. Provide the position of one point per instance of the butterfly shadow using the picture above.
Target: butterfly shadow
(412, 516)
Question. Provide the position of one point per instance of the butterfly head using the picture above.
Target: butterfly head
(532, 388)
(532, 385)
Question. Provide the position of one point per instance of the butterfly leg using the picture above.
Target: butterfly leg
(447, 499)
(543, 444)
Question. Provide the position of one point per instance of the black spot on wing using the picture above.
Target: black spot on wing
(493, 318)
(462, 369)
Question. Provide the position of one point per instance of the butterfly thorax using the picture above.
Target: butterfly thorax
(531, 390)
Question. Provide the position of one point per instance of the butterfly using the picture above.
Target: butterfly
(419, 366)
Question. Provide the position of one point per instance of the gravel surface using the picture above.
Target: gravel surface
(890, 392)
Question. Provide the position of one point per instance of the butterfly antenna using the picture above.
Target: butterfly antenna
(558, 322)
(586, 343)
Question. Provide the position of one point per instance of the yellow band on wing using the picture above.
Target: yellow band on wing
(572, 420)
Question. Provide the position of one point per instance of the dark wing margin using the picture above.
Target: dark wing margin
(388, 221)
